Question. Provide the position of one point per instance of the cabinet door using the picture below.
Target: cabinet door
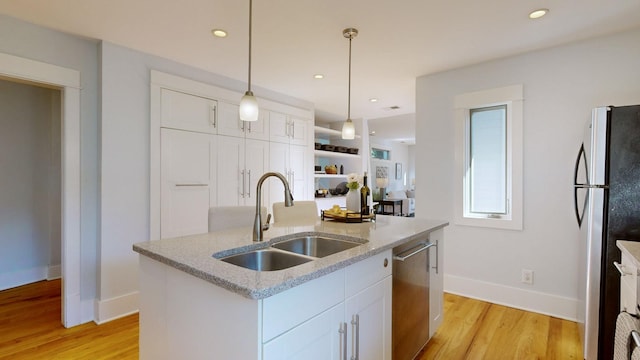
(368, 316)
(279, 128)
(299, 131)
(256, 164)
(279, 162)
(316, 339)
(188, 176)
(258, 130)
(187, 112)
(232, 186)
(299, 170)
(229, 122)
(436, 282)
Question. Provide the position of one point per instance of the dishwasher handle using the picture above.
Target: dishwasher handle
(413, 251)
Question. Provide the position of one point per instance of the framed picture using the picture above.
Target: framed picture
(398, 171)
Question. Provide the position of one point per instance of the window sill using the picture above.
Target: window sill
(486, 222)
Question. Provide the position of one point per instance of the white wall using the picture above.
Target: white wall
(29, 236)
(125, 165)
(22, 39)
(399, 154)
(561, 86)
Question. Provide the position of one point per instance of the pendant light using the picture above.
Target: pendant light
(248, 109)
(348, 130)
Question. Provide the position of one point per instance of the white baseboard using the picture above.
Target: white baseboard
(22, 277)
(114, 308)
(54, 272)
(543, 303)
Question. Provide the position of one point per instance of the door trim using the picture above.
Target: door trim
(68, 81)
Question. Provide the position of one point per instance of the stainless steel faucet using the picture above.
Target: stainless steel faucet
(288, 201)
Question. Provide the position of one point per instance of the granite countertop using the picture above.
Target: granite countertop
(195, 254)
(631, 248)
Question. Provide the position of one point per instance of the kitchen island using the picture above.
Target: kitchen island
(193, 305)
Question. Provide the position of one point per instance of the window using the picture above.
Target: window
(489, 158)
(487, 185)
(380, 154)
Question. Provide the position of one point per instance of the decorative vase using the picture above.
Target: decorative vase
(353, 200)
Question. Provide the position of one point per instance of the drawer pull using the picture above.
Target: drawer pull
(621, 269)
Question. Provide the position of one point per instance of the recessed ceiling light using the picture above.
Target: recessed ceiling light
(372, 133)
(318, 76)
(536, 14)
(219, 33)
(373, 100)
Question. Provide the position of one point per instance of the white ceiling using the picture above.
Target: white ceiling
(295, 39)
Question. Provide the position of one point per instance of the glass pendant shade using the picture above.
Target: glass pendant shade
(248, 107)
(348, 130)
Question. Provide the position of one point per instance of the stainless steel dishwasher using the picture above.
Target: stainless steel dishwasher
(410, 303)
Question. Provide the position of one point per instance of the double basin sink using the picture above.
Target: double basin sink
(288, 253)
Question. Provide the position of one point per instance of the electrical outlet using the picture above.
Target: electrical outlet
(527, 276)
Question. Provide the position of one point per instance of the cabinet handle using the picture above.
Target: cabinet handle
(343, 341)
(249, 192)
(437, 262)
(621, 269)
(293, 130)
(214, 116)
(355, 337)
(192, 185)
(249, 126)
(243, 183)
(242, 125)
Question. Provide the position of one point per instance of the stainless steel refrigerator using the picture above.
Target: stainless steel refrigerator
(607, 206)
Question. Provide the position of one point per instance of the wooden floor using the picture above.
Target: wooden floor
(30, 329)
(474, 329)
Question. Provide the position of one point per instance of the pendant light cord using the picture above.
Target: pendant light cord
(349, 95)
(250, 21)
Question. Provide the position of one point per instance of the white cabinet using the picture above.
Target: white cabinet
(187, 112)
(368, 314)
(288, 129)
(241, 162)
(291, 161)
(290, 156)
(321, 338)
(309, 321)
(436, 281)
(229, 123)
(188, 186)
(182, 104)
(363, 331)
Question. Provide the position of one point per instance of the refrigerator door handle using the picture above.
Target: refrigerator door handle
(581, 156)
(579, 217)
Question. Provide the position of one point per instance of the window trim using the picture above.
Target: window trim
(512, 96)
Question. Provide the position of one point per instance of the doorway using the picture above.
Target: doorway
(29, 184)
(67, 81)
